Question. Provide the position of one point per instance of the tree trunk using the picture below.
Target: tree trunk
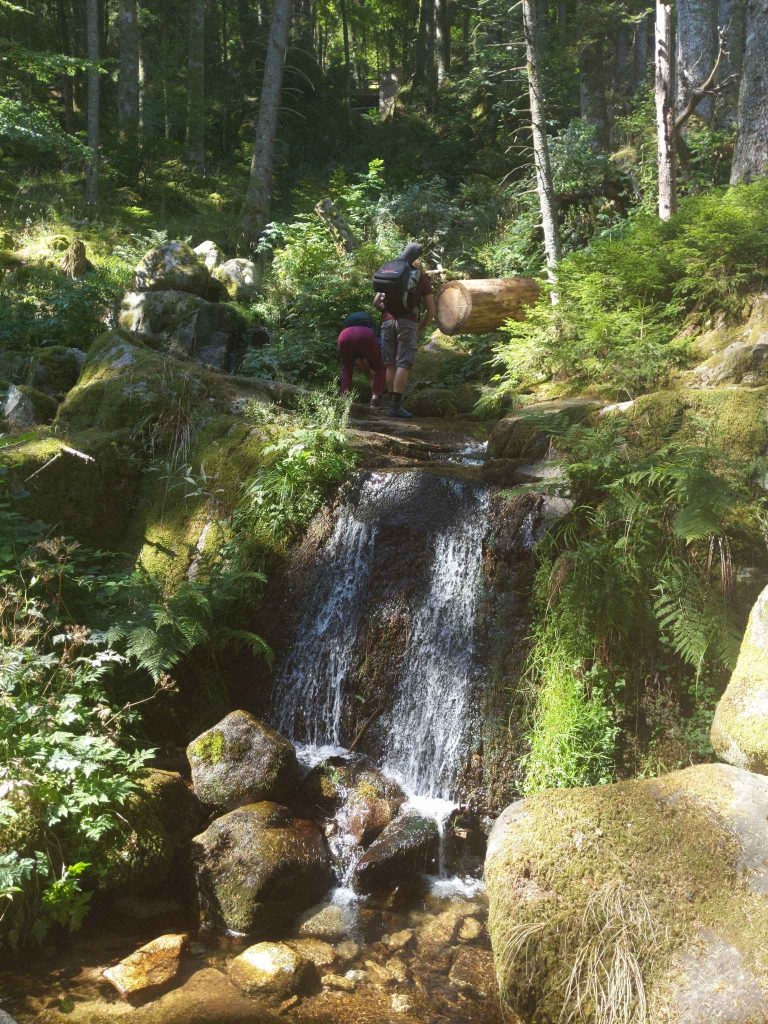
(750, 158)
(544, 182)
(258, 198)
(347, 60)
(128, 87)
(442, 40)
(67, 90)
(731, 21)
(641, 50)
(420, 72)
(195, 139)
(94, 84)
(344, 238)
(593, 75)
(664, 91)
(697, 47)
(475, 307)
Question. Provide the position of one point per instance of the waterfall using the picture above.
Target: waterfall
(423, 733)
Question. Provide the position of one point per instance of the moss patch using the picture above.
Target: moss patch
(209, 748)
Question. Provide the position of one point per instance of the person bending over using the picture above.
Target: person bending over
(359, 350)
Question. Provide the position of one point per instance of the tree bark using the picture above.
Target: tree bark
(697, 46)
(750, 158)
(664, 92)
(128, 87)
(593, 75)
(442, 40)
(544, 181)
(475, 307)
(731, 21)
(195, 138)
(347, 60)
(258, 198)
(94, 85)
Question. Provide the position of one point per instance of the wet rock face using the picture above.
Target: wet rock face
(678, 865)
(149, 969)
(172, 266)
(361, 798)
(740, 727)
(404, 850)
(241, 761)
(271, 971)
(256, 868)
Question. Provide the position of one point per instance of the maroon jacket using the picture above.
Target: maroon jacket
(360, 343)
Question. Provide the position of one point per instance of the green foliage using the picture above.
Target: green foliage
(305, 458)
(622, 301)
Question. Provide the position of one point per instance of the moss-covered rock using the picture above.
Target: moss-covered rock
(740, 363)
(659, 885)
(240, 277)
(740, 727)
(362, 799)
(404, 850)
(172, 266)
(25, 407)
(157, 820)
(55, 370)
(242, 761)
(527, 434)
(210, 254)
(256, 868)
(443, 402)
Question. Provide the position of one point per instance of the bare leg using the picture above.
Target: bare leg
(400, 379)
(391, 374)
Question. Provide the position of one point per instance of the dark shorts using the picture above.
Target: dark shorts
(398, 342)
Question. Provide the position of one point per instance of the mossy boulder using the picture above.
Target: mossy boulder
(240, 277)
(25, 407)
(740, 363)
(55, 370)
(362, 799)
(210, 254)
(405, 849)
(256, 868)
(242, 761)
(172, 266)
(443, 402)
(157, 820)
(740, 726)
(528, 433)
(659, 886)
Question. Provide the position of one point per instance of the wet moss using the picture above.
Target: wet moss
(209, 748)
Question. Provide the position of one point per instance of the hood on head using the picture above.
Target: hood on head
(412, 252)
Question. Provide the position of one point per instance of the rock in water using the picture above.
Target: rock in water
(257, 867)
(210, 254)
(240, 277)
(405, 849)
(327, 921)
(26, 407)
(270, 970)
(147, 970)
(242, 761)
(660, 885)
(740, 727)
(172, 266)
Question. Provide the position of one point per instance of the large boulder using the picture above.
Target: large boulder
(271, 971)
(655, 888)
(740, 726)
(404, 850)
(55, 370)
(256, 868)
(362, 799)
(240, 277)
(210, 254)
(187, 326)
(740, 363)
(148, 970)
(172, 266)
(242, 761)
(24, 407)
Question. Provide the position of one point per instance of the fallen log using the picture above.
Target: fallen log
(474, 307)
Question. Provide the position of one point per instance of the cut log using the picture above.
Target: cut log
(474, 307)
(344, 238)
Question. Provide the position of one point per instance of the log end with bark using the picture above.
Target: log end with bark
(474, 307)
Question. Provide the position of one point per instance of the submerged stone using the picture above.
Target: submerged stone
(241, 761)
(404, 850)
(149, 968)
(256, 868)
(327, 921)
(270, 970)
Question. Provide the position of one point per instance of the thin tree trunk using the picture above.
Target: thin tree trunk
(641, 50)
(195, 139)
(664, 92)
(420, 57)
(544, 181)
(347, 60)
(593, 75)
(696, 51)
(128, 87)
(442, 40)
(750, 158)
(92, 35)
(67, 91)
(258, 198)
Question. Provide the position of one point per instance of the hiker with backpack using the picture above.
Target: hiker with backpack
(402, 288)
(359, 350)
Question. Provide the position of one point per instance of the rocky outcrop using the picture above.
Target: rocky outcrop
(172, 266)
(144, 973)
(740, 726)
(658, 885)
(740, 363)
(271, 971)
(404, 850)
(256, 868)
(186, 326)
(241, 761)
(443, 402)
(55, 370)
(240, 278)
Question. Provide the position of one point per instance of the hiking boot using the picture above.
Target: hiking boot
(399, 412)
(377, 402)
